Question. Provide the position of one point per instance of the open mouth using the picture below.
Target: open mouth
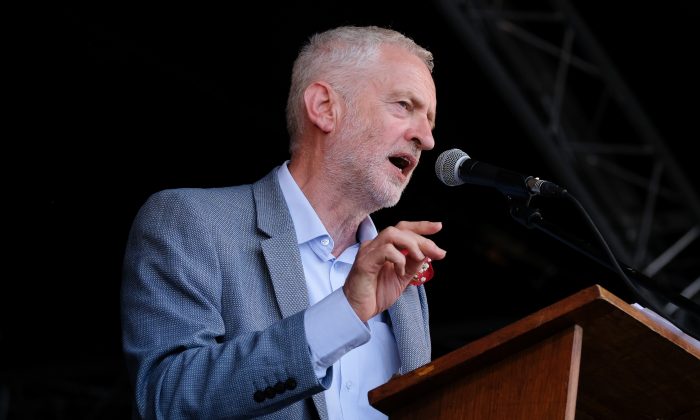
(403, 162)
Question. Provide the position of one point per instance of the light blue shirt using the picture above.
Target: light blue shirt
(333, 330)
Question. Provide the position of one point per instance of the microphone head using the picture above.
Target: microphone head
(447, 166)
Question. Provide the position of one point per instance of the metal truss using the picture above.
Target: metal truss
(592, 131)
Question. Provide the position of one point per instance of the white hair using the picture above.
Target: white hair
(338, 56)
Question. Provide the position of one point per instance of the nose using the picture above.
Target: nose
(427, 142)
(423, 135)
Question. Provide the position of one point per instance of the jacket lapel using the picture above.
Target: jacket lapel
(409, 329)
(280, 249)
(281, 252)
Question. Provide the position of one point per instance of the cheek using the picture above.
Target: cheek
(390, 129)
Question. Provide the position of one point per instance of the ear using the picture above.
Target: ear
(320, 101)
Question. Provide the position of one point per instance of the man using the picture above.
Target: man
(280, 299)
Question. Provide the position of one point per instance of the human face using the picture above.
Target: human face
(391, 123)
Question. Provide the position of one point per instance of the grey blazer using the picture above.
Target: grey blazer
(213, 299)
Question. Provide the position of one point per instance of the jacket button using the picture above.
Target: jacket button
(259, 396)
(270, 392)
(279, 387)
(290, 384)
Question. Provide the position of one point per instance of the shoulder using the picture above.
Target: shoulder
(217, 205)
(232, 198)
(199, 197)
(209, 201)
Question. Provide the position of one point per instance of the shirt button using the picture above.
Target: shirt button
(348, 385)
(325, 242)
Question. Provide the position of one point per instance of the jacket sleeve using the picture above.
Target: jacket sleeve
(173, 329)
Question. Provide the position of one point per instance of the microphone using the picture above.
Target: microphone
(454, 167)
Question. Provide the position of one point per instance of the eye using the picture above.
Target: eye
(405, 105)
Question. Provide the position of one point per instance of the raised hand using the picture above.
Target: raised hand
(381, 271)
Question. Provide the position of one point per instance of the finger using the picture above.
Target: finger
(427, 247)
(397, 258)
(374, 255)
(421, 227)
(418, 247)
(404, 240)
(414, 266)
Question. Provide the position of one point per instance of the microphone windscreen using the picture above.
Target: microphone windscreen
(447, 166)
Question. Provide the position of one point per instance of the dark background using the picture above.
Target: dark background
(116, 102)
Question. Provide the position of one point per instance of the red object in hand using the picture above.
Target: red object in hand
(424, 274)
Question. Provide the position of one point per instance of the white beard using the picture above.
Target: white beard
(359, 168)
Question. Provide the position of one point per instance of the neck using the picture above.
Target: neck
(340, 214)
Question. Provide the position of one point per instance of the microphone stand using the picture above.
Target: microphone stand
(533, 219)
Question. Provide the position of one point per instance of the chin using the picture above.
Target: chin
(388, 195)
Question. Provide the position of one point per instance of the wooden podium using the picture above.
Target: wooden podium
(589, 356)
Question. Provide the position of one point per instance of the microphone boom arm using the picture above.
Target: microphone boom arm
(533, 219)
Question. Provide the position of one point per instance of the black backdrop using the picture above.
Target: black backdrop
(116, 102)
